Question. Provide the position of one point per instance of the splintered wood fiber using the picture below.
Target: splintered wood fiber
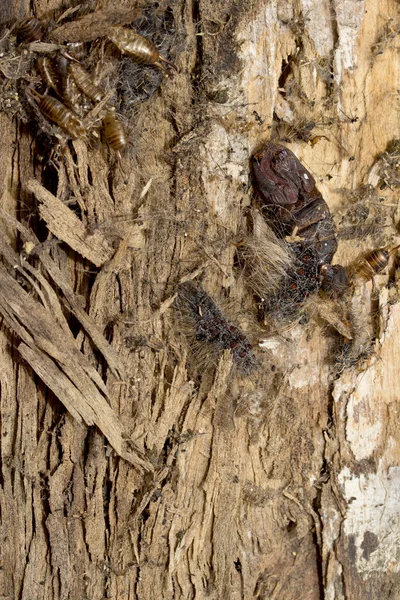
(162, 434)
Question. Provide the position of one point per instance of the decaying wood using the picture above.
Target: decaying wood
(47, 345)
(126, 473)
(66, 226)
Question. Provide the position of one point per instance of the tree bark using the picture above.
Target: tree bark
(128, 471)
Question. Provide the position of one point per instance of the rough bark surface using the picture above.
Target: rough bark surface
(128, 471)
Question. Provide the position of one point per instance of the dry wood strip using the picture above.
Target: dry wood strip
(66, 226)
(65, 370)
(114, 361)
(94, 25)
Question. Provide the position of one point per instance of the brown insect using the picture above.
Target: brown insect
(57, 112)
(373, 263)
(85, 83)
(139, 48)
(30, 30)
(54, 72)
(114, 133)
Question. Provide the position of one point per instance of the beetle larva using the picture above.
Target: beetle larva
(139, 48)
(57, 112)
(114, 133)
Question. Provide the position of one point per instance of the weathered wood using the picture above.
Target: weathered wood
(283, 484)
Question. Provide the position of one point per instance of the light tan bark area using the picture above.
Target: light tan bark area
(128, 470)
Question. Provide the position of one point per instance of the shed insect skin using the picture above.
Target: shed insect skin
(77, 50)
(57, 112)
(30, 30)
(45, 67)
(288, 196)
(139, 48)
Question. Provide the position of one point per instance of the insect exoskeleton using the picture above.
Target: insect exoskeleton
(30, 30)
(77, 50)
(373, 263)
(57, 112)
(85, 83)
(139, 48)
(203, 321)
(48, 73)
(115, 135)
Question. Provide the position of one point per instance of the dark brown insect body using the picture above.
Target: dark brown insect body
(57, 112)
(295, 209)
(30, 30)
(114, 132)
(55, 74)
(139, 48)
(85, 83)
(68, 89)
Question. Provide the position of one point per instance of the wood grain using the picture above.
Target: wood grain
(125, 474)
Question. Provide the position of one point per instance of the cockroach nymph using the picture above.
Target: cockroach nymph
(57, 112)
(206, 323)
(139, 48)
(30, 30)
(371, 264)
(294, 208)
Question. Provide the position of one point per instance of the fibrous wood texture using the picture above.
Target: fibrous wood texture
(128, 471)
